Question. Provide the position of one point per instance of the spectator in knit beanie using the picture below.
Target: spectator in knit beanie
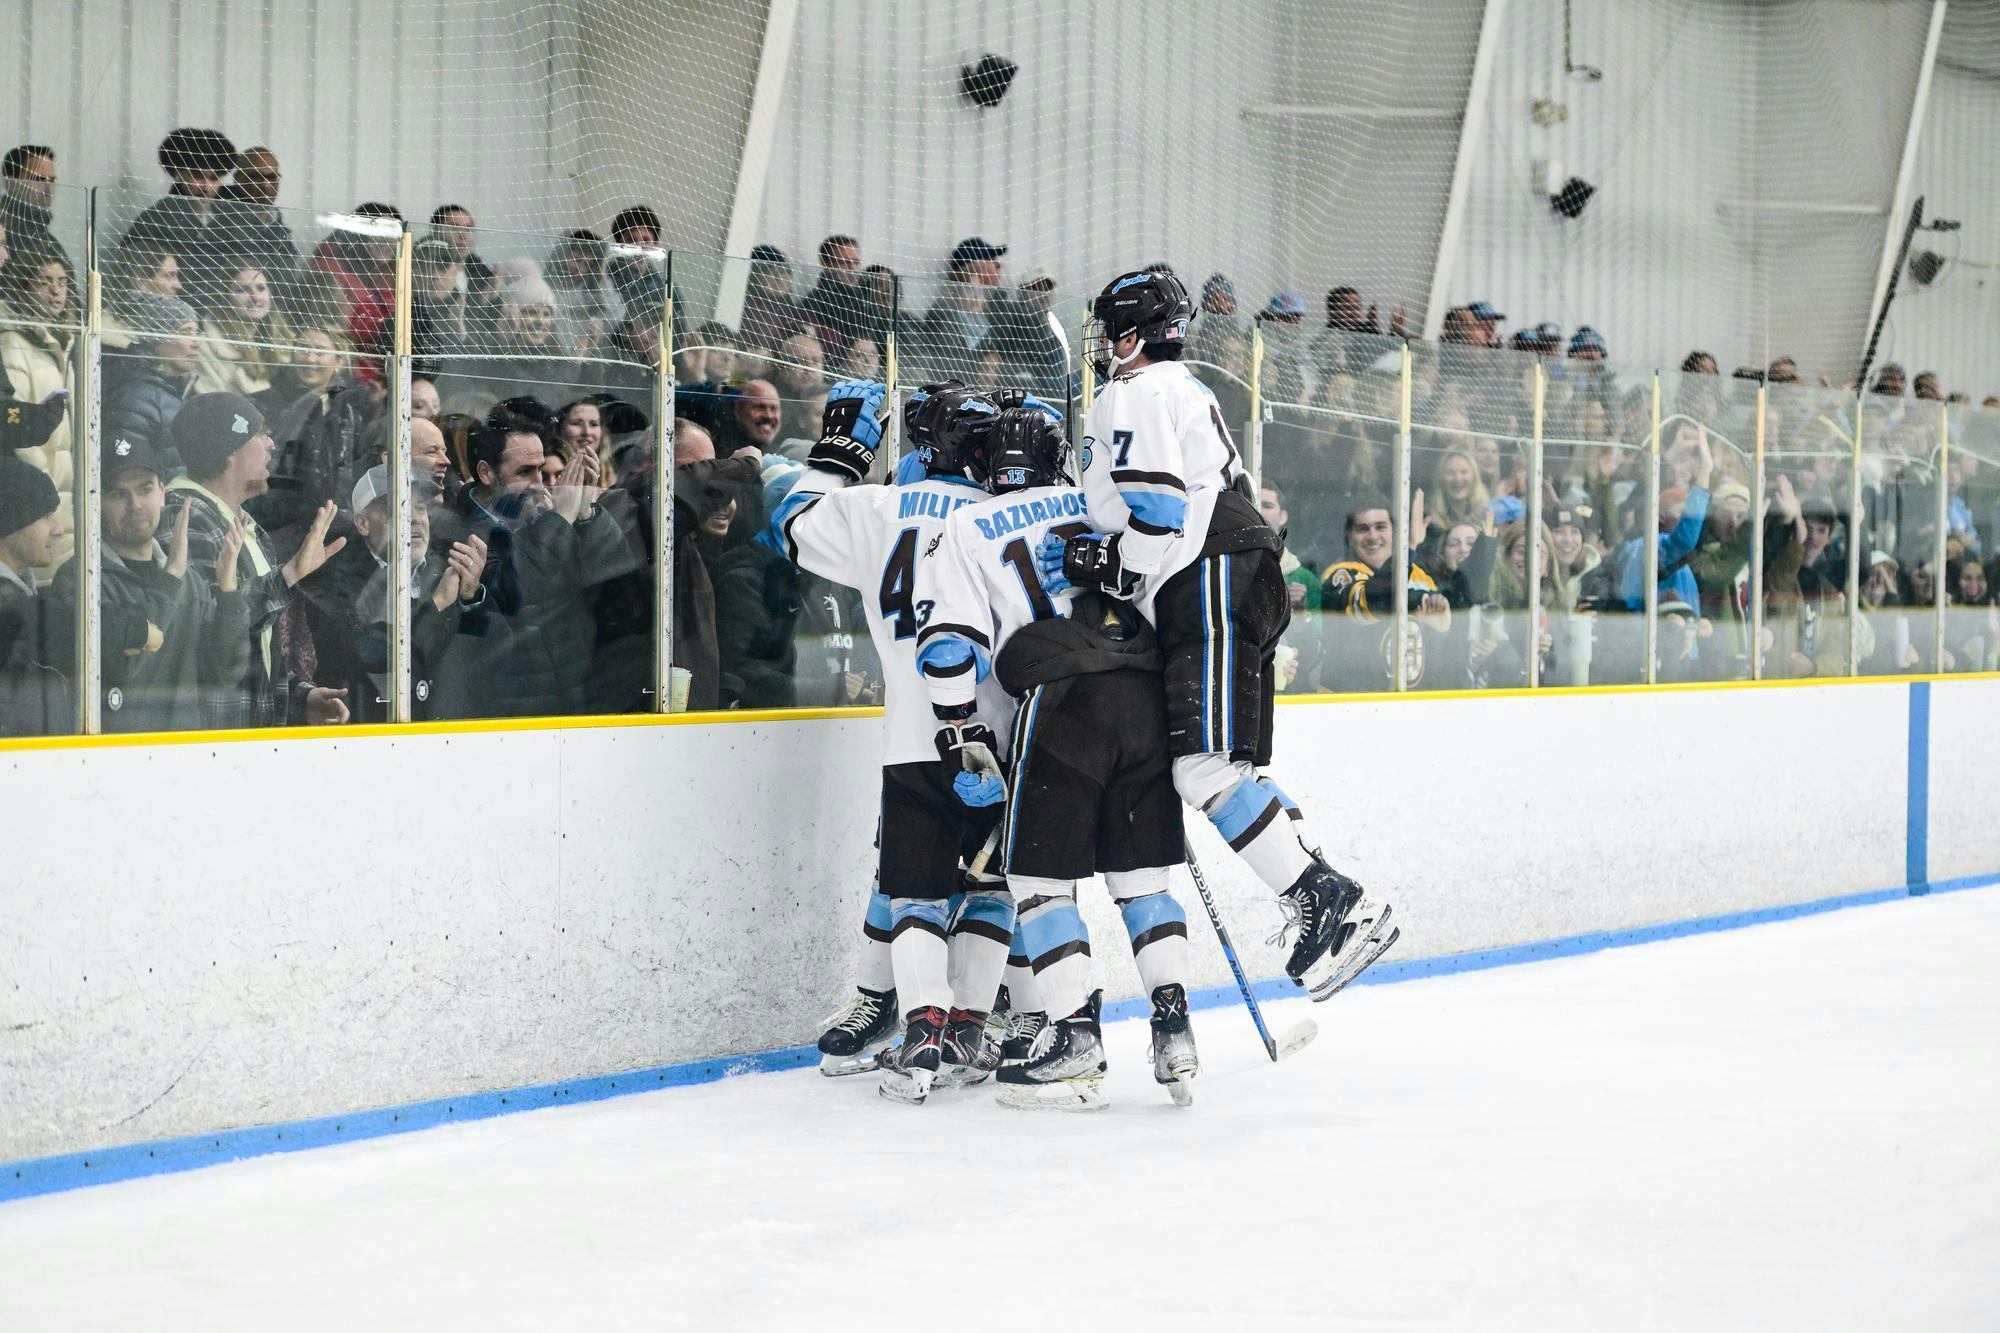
(36, 636)
(147, 387)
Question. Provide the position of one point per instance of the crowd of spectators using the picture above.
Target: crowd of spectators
(246, 539)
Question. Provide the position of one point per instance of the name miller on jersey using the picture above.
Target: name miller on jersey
(1067, 504)
(930, 504)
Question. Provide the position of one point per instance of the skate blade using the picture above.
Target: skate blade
(907, 1089)
(1355, 963)
(961, 1076)
(1081, 1094)
(840, 1066)
(1182, 1089)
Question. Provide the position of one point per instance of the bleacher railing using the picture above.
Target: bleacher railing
(1457, 517)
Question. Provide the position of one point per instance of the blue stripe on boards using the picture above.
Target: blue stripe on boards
(50, 1175)
(1917, 808)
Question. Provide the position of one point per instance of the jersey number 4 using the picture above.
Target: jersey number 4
(899, 581)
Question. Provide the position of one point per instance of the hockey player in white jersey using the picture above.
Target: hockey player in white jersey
(1090, 789)
(1178, 531)
(933, 813)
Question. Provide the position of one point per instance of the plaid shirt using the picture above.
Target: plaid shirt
(267, 695)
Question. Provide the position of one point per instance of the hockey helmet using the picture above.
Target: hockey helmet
(1151, 303)
(1025, 448)
(947, 425)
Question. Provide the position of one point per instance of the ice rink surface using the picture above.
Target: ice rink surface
(1789, 1127)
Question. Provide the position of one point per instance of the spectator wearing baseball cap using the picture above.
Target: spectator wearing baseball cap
(166, 635)
(946, 342)
(1586, 344)
(770, 315)
(227, 451)
(145, 388)
(36, 635)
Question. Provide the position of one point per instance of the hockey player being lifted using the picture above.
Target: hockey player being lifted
(933, 813)
(1090, 789)
(1178, 532)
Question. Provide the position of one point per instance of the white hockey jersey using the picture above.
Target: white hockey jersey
(981, 583)
(871, 539)
(1155, 456)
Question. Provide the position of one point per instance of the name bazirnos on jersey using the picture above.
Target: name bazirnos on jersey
(1066, 504)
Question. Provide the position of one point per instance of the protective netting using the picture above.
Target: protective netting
(1731, 167)
(1479, 417)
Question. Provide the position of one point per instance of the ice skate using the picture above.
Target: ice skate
(856, 1034)
(970, 1052)
(1065, 1068)
(1174, 1060)
(1019, 1039)
(1340, 930)
(907, 1077)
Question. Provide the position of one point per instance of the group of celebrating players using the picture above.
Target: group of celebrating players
(1067, 659)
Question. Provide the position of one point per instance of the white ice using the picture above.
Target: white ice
(1790, 1127)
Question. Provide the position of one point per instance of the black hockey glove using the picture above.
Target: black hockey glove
(850, 429)
(29, 425)
(1089, 561)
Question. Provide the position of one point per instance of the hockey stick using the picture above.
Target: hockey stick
(1301, 1033)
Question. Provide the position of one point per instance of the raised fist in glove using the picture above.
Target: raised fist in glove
(1089, 561)
(29, 425)
(1006, 398)
(974, 748)
(851, 429)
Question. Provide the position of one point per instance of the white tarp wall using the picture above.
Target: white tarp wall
(202, 936)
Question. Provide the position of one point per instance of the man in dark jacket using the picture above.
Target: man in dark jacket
(187, 223)
(248, 216)
(222, 439)
(27, 188)
(165, 636)
(145, 389)
(527, 650)
(37, 640)
(324, 441)
(789, 639)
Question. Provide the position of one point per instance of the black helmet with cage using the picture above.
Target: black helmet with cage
(947, 425)
(1149, 302)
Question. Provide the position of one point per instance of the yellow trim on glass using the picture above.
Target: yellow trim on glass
(489, 726)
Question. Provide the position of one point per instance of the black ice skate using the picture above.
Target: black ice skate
(857, 1033)
(1019, 1039)
(1174, 1060)
(971, 1052)
(907, 1077)
(1340, 930)
(1065, 1069)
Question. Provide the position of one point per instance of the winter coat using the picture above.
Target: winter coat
(205, 640)
(268, 693)
(37, 657)
(141, 403)
(526, 651)
(787, 637)
(321, 444)
(225, 368)
(197, 233)
(38, 362)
